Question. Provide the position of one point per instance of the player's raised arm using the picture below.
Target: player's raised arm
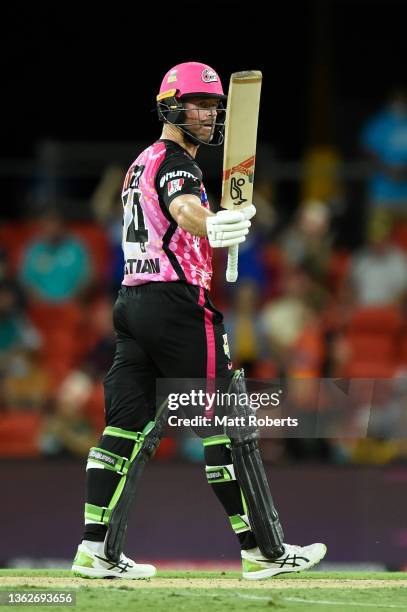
(189, 214)
(223, 229)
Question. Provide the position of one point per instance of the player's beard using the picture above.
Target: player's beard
(203, 133)
(195, 133)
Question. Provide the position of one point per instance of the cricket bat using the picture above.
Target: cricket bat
(239, 154)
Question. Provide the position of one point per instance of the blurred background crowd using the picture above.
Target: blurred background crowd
(315, 299)
(322, 290)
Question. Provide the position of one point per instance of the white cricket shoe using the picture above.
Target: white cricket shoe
(93, 564)
(294, 559)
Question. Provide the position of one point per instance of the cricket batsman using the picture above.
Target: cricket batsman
(167, 327)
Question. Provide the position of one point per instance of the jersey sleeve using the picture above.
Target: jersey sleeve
(178, 176)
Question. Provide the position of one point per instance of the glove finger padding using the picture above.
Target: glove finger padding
(228, 216)
(227, 242)
(219, 235)
(230, 227)
(248, 211)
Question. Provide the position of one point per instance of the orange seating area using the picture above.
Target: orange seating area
(338, 269)
(19, 432)
(60, 325)
(399, 235)
(376, 337)
(402, 345)
(94, 408)
(14, 237)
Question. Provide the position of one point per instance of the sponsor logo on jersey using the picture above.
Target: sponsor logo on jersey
(209, 76)
(142, 266)
(203, 274)
(174, 186)
(177, 173)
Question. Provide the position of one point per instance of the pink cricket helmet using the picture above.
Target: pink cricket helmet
(185, 80)
(191, 79)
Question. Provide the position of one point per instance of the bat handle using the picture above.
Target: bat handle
(231, 270)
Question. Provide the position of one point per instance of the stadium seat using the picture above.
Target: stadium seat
(373, 335)
(372, 347)
(94, 409)
(96, 240)
(265, 369)
(381, 319)
(19, 432)
(402, 349)
(59, 325)
(363, 369)
(338, 268)
(399, 235)
(15, 236)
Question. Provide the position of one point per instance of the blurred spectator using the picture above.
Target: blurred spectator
(263, 197)
(56, 266)
(309, 351)
(308, 241)
(16, 333)
(100, 339)
(107, 209)
(67, 431)
(55, 272)
(244, 328)
(3, 264)
(386, 416)
(95, 358)
(24, 382)
(106, 198)
(285, 318)
(322, 178)
(384, 138)
(251, 261)
(378, 272)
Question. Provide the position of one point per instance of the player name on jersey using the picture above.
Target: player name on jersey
(142, 266)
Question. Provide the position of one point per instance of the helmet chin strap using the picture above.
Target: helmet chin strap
(171, 113)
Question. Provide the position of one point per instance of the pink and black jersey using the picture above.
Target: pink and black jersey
(155, 247)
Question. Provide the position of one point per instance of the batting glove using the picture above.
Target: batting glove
(226, 228)
(249, 211)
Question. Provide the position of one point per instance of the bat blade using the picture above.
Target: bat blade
(240, 148)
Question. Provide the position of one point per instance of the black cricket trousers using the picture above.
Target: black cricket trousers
(163, 330)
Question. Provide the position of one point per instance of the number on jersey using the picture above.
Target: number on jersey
(134, 228)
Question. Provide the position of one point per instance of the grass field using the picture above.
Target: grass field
(218, 592)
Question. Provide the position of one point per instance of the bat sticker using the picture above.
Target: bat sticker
(236, 192)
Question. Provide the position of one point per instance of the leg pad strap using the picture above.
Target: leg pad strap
(100, 458)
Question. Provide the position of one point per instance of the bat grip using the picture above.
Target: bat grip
(231, 270)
